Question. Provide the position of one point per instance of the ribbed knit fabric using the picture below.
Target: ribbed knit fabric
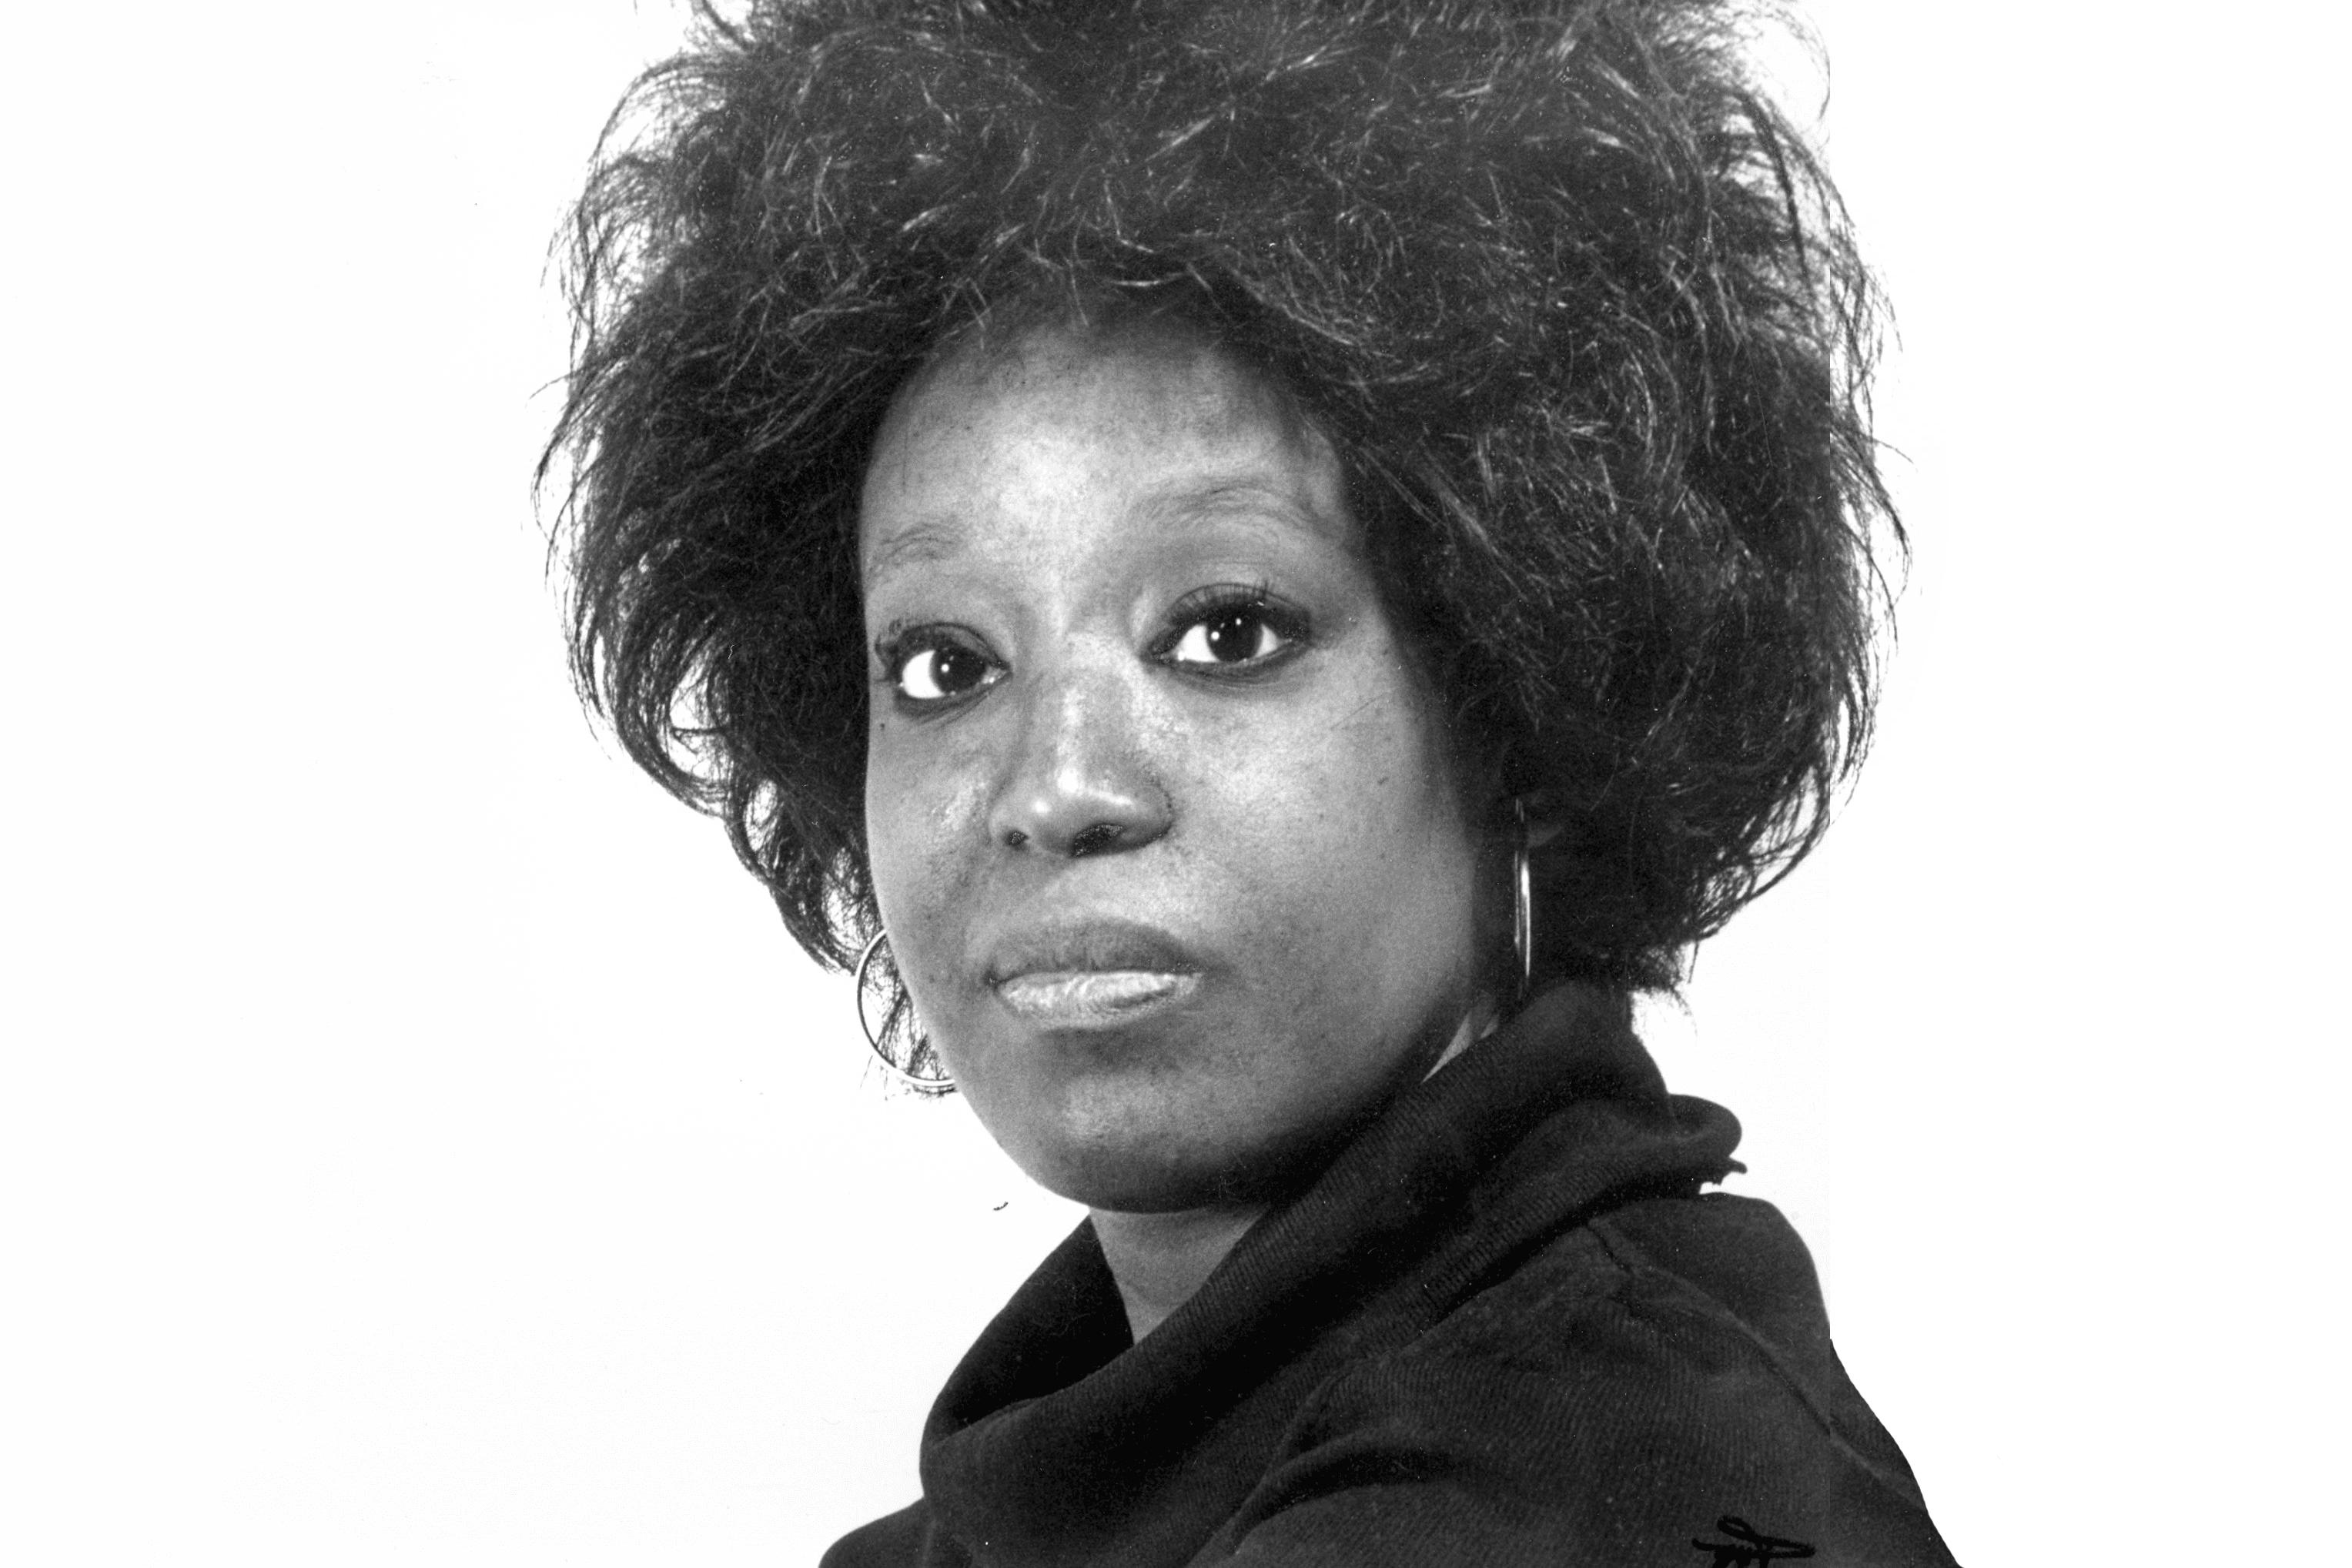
(1504, 1326)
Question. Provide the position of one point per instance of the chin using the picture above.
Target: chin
(1165, 1169)
(1163, 1114)
(1132, 1186)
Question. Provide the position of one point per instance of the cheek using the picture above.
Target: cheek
(925, 807)
(1356, 839)
(1387, 760)
(1416, 860)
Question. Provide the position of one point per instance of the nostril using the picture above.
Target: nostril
(1094, 840)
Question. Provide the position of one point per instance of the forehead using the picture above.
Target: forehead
(1142, 429)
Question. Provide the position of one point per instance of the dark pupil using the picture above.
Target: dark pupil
(956, 669)
(1233, 636)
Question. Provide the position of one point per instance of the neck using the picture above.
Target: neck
(1158, 1260)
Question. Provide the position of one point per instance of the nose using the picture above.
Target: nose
(1078, 783)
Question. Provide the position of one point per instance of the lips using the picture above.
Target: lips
(1073, 1000)
(1092, 973)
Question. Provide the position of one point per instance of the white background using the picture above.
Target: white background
(419, 1143)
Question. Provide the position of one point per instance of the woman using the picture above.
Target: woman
(1256, 570)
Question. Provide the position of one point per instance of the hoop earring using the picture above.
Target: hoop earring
(1523, 914)
(913, 1079)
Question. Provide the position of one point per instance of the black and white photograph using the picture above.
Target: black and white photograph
(935, 783)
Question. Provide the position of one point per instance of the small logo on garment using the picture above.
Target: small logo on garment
(1749, 1547)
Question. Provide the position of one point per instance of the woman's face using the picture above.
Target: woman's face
(1162, 820)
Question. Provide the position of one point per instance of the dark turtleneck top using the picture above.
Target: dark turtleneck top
(1503, 1326)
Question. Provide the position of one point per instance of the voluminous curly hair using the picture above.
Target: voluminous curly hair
(1576, 306)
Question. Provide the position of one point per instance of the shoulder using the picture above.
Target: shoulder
(893, 1541)
(1720, 1278)
(1622, 1388)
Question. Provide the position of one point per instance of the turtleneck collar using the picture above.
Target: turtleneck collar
(1058, 1437)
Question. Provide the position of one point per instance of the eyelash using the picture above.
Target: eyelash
(1203, 605)
(1198, 607)
(899, 648)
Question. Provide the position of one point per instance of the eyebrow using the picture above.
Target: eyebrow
(932, 541)
(1186, 502)
(918, 544)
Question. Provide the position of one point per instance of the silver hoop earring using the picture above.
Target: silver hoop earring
(1523, 911)
(922, 1046)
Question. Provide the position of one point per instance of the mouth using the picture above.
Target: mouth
(1093, 973)
(1070, 999)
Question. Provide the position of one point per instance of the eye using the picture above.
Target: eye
(937, 671)
(1232, 635)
